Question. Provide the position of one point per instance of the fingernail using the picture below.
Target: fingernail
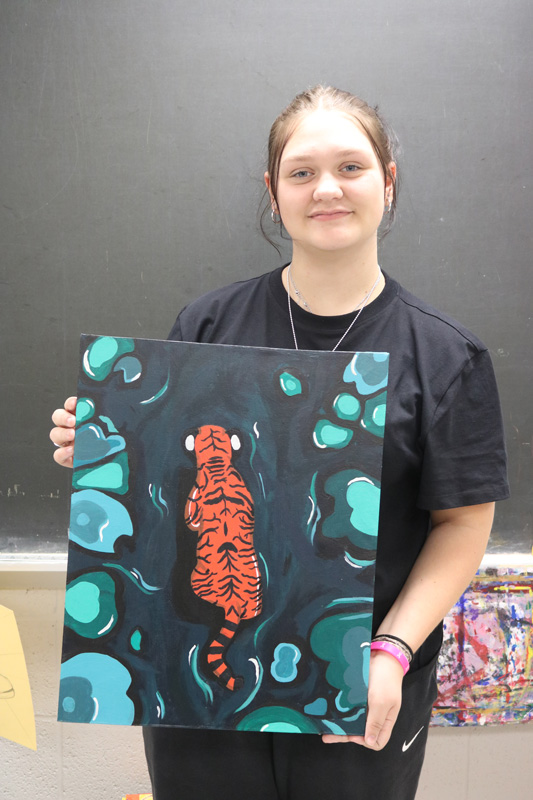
(370, 739)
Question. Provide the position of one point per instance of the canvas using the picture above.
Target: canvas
(485, 670)
(222, 541)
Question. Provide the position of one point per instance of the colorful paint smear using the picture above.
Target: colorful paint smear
(486, 664)
(138, 797)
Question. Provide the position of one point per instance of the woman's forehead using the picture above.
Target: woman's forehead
(326, 131)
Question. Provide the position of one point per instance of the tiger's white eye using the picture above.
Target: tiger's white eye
(189, 442)
(235, 442)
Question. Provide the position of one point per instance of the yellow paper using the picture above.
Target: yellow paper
(17, 721)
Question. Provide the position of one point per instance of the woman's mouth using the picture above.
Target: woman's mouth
(330, 216)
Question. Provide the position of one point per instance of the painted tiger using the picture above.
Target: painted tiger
(220, 510)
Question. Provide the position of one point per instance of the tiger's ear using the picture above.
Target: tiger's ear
(235, 442)
(189, 442)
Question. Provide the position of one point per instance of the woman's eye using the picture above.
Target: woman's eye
(351, 168)
(302, 173)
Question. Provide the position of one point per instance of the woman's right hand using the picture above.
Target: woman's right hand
(63, 434)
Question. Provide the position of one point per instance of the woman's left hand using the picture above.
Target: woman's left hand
(384, 701)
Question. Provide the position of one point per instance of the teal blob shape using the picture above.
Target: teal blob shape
(69, 704)
(317, 708)
(85, 409)
(346, 406)
(341, 640)
(110, 425)
(136, 640)
(277, 719)
(355, 511)
(364, 496)
(97, 521)
(131, 368)
(369, 372)
(283, 668)
(81, 601)
(327, 434)
(290, 384)
(109, 681)
(90, 607)
(101, 354)
(93, 445)
(374, 416)
(113, 477)
(75, 701)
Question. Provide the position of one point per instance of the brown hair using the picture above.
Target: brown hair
(380, 136)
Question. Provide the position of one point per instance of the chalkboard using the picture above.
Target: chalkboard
(133, 147)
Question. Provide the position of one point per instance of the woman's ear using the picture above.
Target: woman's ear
(390, 181)
(269, 189)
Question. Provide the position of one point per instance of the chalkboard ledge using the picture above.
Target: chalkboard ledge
(33, 570)
(48, 571)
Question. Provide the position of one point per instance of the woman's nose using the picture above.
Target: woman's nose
(328, 187)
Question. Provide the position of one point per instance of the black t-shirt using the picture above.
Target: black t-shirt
(443, 445)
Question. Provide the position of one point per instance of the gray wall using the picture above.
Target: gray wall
(132, 149)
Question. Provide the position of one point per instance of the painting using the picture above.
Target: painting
(485, 667)
(222, 539)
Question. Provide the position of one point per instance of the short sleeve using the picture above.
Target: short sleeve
(175, 334)
(464, 459)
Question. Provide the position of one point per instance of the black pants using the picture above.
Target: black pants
(233, 765)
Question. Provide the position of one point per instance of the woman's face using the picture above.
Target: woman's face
(331, 188)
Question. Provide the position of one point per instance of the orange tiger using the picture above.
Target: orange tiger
(220, 510)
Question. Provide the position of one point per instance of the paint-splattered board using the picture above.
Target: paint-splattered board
(486, 663)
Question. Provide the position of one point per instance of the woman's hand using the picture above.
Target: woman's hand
(63, 434)
(384, 701)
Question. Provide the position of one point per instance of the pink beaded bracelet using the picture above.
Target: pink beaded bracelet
(394, 651)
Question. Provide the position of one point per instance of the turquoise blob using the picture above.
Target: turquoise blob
(363, 496)
(378, 415)
(290, 384)
(69, 704)
(136, 639)
(277, 718)
(81, 601)
(317, 708)
(340, 522)
(374, 415)
(369, 372)
(99, 357)
(108, 682)
(327, 434)
(131, 368)
(90, 607)
(346, 406)
(283, 668)
(75, 701)
(93, 445)
(280, 727)
(112, 477)
(97, 521)
(84, 409)
(341, 640)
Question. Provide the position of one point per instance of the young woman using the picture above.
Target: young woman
(331, 179)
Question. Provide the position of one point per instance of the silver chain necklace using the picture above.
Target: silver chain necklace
(358, 310)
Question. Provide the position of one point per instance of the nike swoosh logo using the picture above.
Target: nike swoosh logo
(406, 745)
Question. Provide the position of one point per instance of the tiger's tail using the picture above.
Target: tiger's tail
(217, 650)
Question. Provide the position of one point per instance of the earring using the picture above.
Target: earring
(273, 216)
